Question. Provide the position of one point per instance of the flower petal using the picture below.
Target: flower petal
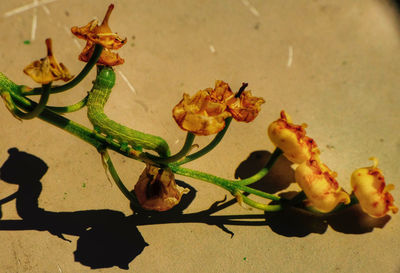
(107, 57)
(372, 192)
(246, 107)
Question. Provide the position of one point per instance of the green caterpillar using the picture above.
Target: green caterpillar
(98, 97)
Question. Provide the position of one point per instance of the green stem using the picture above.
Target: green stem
(71, 108)
(86, 69)
(184, 150)
(260, 206)
(130, 196)
(217, 139)
(39, 106)
(258, 192)
(230, 185)
(264, 171)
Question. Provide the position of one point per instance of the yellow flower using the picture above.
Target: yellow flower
(156, 189)
(292, 139)
(246, 107)
(47, 69)
(372, 192)
(100, 34)
(320, 186)
(205, 112)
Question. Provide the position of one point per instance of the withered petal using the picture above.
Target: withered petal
(47, 69)
(107, 57)
(100, 34)
(245, 108)
(200, 114)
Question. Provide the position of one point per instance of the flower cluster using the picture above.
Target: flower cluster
(314, 178)
(205, 112)
(318, 181)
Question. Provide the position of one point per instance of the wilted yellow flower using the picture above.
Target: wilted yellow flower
(156, 189)
(246, 107)
(372, 192)
(221, 93)
(292, 139)
(205, 112)
(47, 69)
(320, 186)
(100, 34)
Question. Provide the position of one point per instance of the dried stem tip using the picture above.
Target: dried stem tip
(242, 88)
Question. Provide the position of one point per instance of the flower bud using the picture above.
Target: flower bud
(292, 139)
(372, 192)
(320, 186)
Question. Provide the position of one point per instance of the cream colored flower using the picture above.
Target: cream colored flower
(320, 186)
(205, 112)
(100, 34)
(372, 192)
(292, 139)
(156, 189)
(47, 69)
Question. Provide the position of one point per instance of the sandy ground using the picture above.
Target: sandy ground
(331, 64)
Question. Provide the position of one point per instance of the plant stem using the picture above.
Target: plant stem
(264, 171)
(184, 150)
(209, 147)
(260, 206)
(70, 108)
(39, 106)
(230, 185)
(131, 197)
(86, 69)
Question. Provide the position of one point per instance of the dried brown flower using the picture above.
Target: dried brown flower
(156, 189)
(47, 69)
(100, 34)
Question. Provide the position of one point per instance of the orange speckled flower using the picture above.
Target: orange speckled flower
(246, 107)
(47, 69)
(372, 192)
(205, 112)
(100, 34)
(292, 139)
(156, 189)
(320, 186)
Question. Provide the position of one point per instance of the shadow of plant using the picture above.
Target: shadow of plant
(108, 238)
